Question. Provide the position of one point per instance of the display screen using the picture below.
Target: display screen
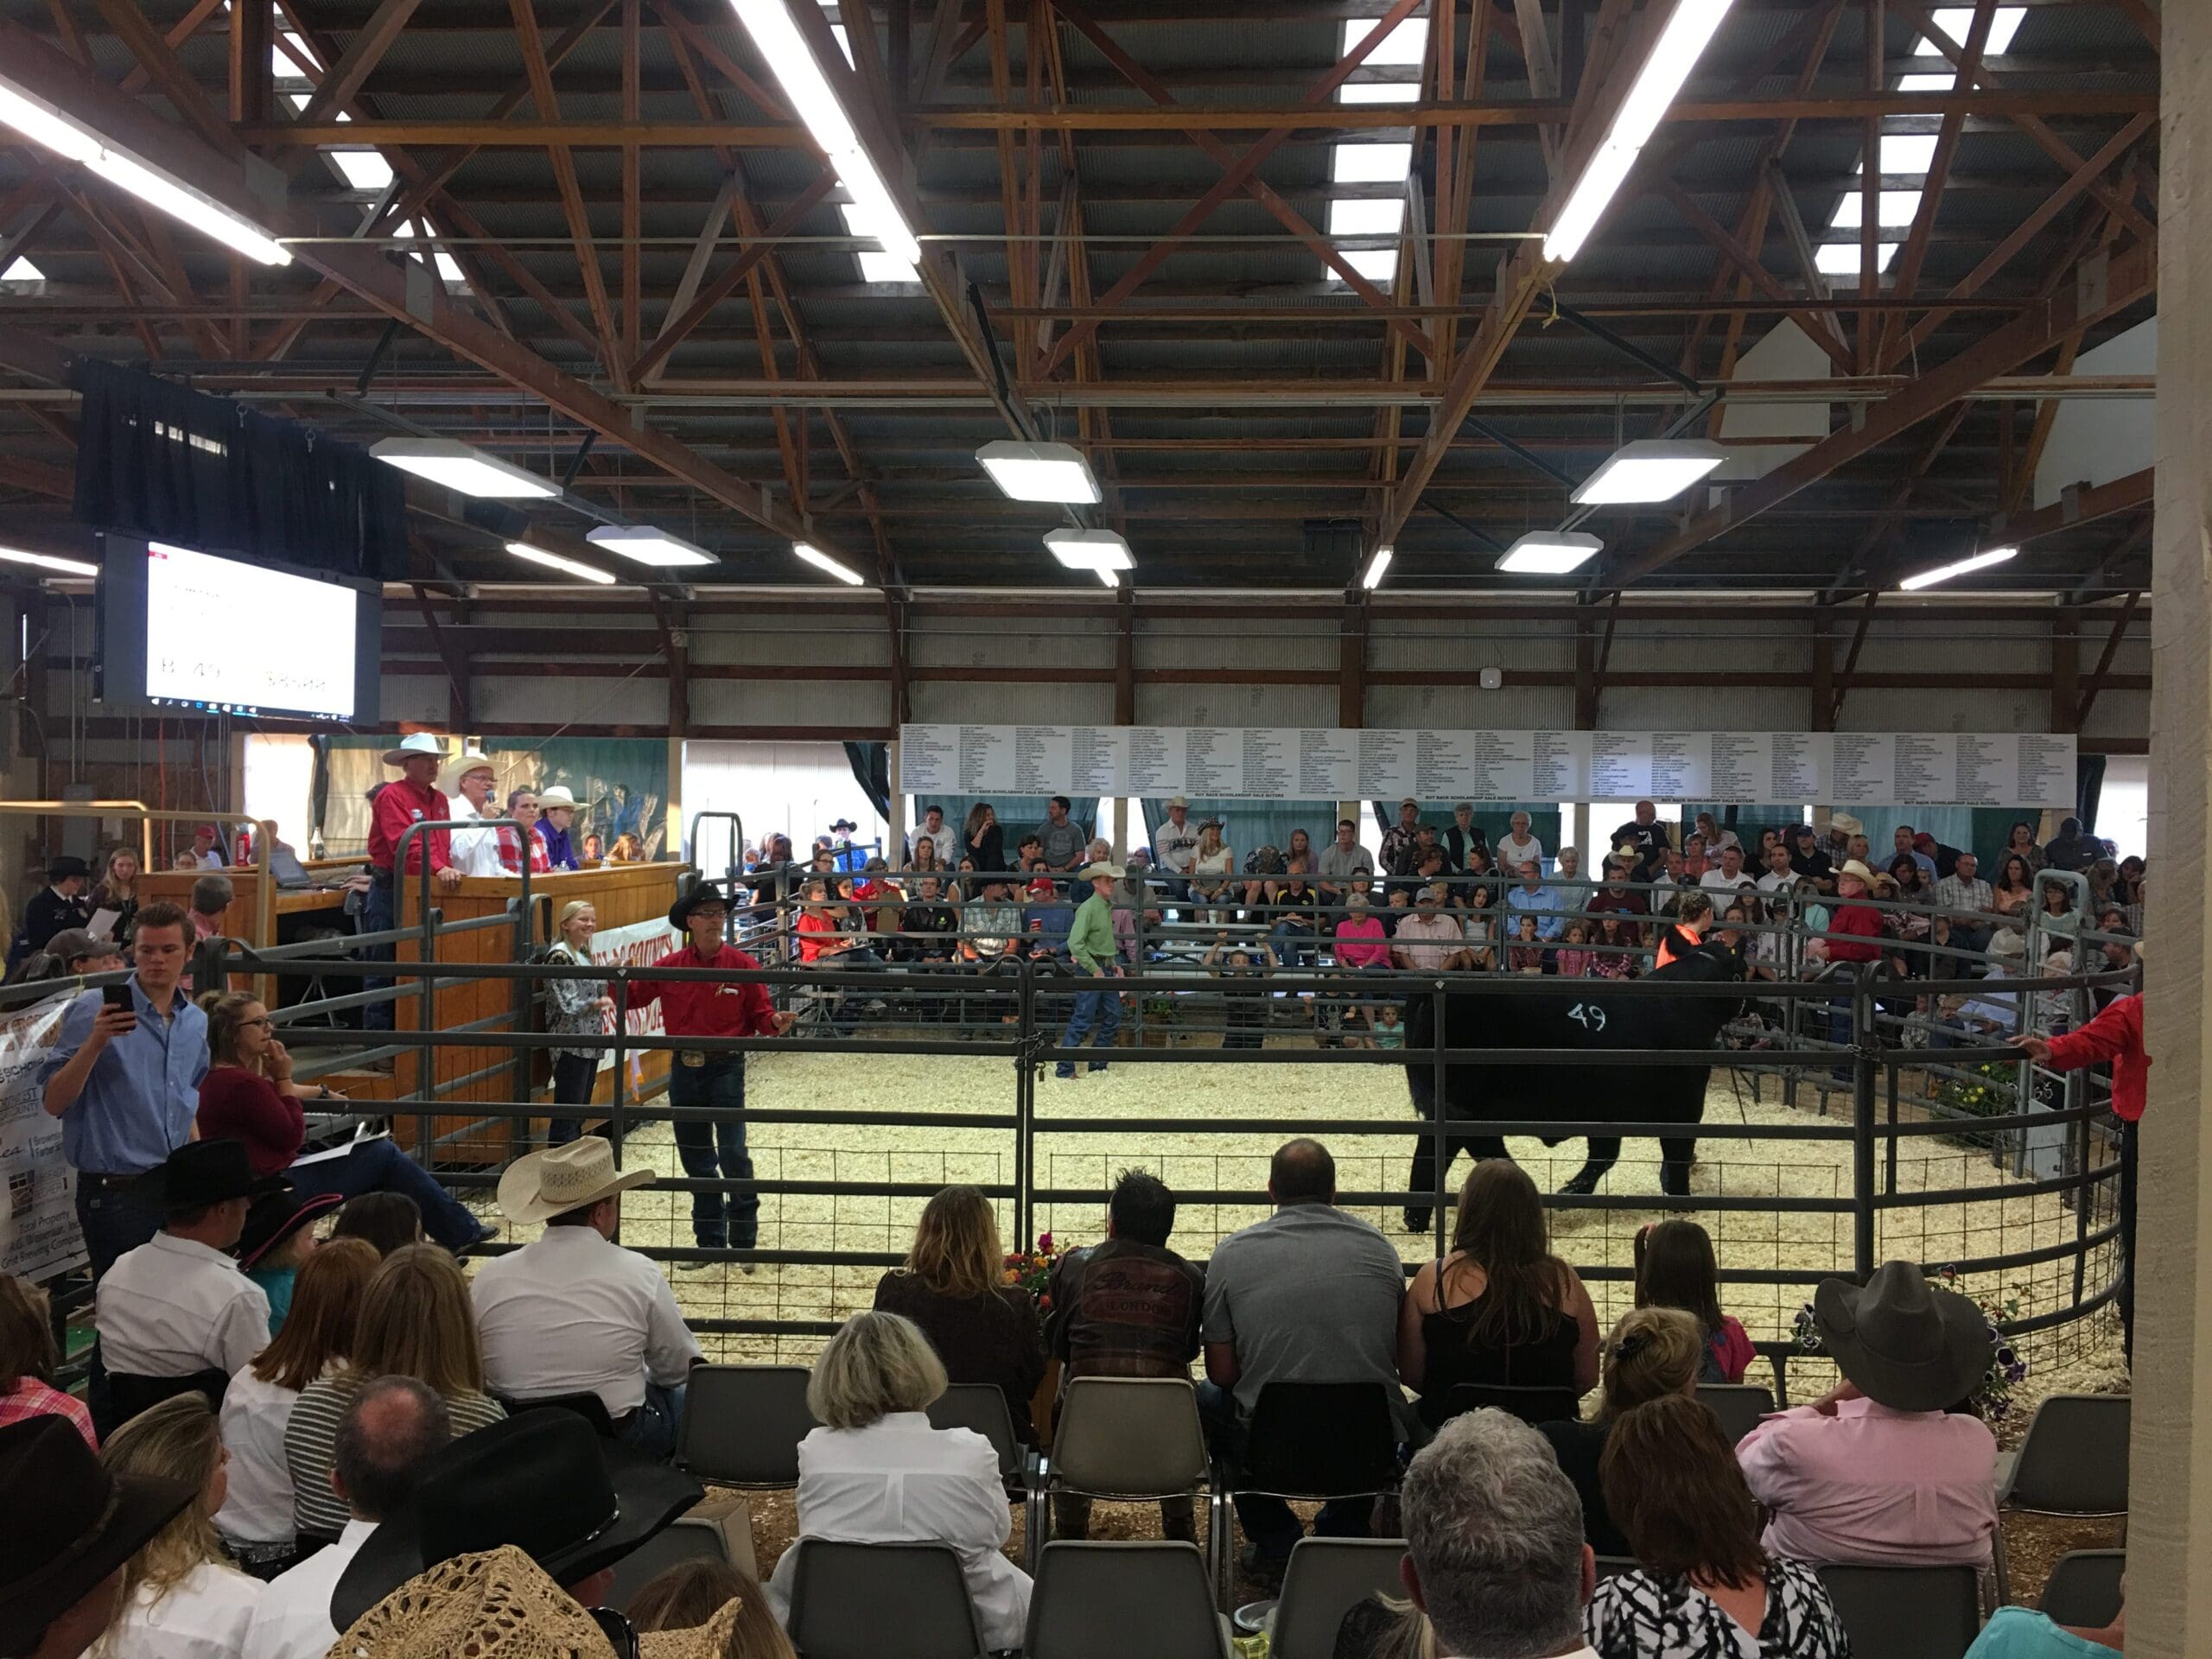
(185, 629)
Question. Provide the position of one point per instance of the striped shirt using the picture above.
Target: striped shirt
(311, 1437)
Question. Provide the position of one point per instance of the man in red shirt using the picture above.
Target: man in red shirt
(415, 799)
(1854, 936)
(2115, 1035)
(712, 1150)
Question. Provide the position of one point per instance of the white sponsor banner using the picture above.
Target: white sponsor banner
(38, 1227)
(1289, 763)
(635, 945)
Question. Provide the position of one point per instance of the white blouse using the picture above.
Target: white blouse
(258, 1510)
(203, 1616)
(900, 1481)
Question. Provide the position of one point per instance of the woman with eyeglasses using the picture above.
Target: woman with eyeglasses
(249, 1095)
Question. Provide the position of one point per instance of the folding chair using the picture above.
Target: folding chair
(868, 1601)
(1325, 1579)
(1738, 1405)
(683, 1540)
(587, 1404)
(2072, 1461)
(1124, 1439)
(1530, 1405)
(981, 1406)
(742, 1425)
(1907, 1612)
(2083, 1588)
(1110, 1600)
(1308, 1441)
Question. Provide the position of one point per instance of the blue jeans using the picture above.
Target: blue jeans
(378, 915)
(715, 1149)
(114, 1221)
(1289, 940)
(1268, 1522)
(1099, 1011)
(381, 1166)
(651, 1429)
(575, 1076)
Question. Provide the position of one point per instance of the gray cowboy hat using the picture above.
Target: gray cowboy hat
(1904, 1343)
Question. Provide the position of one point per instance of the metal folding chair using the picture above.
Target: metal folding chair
(1325, 1579)
(1110, 1600)
(742, 1425)
(867, 1601)
(1907, 1612)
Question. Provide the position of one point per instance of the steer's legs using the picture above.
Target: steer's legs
(1604, 1153)
(1422, 1178)
(1676, 1154)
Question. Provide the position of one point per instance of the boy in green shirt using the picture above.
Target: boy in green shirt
(1092, 947)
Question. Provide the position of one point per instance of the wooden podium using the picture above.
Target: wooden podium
(625, 895)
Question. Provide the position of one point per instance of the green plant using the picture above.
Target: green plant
(1985, 1090)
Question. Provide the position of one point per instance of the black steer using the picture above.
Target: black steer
(1584, 1014)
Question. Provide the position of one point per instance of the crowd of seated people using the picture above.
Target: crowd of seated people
(288, 1500)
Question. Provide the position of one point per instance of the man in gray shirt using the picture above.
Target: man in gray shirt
(1311, 1294)
(1342, 860)
(1064, 843)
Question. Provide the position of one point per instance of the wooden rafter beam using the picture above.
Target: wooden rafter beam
(363, 54)
(2103, 671)
(2078, 507)
(727, 282)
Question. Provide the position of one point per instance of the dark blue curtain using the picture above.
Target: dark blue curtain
(2089, 789)
(871, 764)
(159, 459)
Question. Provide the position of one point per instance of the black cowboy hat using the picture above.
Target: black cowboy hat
(66, 1523)
(66, 865)
(844, 824)
(542, 1481)
(275, 1217)
(201, 1172)
(697, 894)
(1904, 1343)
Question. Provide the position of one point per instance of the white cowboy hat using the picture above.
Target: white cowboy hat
(451, 773)
(1853, 866)
(556, 796)
(1845, 822)
(1101, 872)
(562, 1178)
(413, 743)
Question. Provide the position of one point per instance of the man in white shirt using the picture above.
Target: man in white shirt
(1175, 845)
(574, 1312)
(1731, 875)
(1493, 1550)
(207, 847)
(179, 1306)
(1778, 874)
(468, 779)
(1519, 847)
(944, 840)
(392, 1429)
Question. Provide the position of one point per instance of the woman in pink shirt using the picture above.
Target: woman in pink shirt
(1363, 946)
(1883, 1470)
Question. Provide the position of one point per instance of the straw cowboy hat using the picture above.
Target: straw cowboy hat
(1845, 822)
(413, 743)
(500, 1605)
(66, 1523)
(451, 773)
(1101, 872)
(1905, 1344)
(558, 795)
(541, 1481)
(565, 1178)
(1853, 866)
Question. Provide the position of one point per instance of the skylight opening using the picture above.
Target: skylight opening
(1366, 216)
(22, 271)
(1895, 209)
(1379, 91)
(1907, 153)
(1404, 46)
(1369, 163)
(1841, 258)
(1955, 21)
(1378, 266)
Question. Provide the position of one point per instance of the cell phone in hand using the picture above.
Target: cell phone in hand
(117, 997)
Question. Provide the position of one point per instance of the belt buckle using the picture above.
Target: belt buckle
(694, 1058)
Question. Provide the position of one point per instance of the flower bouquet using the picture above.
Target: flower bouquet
(1032, 1269)
(1992, 1398)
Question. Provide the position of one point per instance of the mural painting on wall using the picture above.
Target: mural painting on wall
(620, 785)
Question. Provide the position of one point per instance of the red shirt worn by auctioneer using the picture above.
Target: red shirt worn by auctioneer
(701, 1008)
(399, 803)
(1852, 931)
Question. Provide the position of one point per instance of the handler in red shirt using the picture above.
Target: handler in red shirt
(1854, 929)
(2115, 1035)
(415, 799)
(712, 1150)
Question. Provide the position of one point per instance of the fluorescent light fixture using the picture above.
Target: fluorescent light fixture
(821, 561)
(1649, 470)
(1366, 215)
(1841, 258)
(643, 545)
(1371, 578)
(1106, 575)
(1678, 47)
(1955, 21)
(555, 562)
(1941, 83)
(454, 464)
(43, 125)
(1369, 163)
(1894, 209)
(48, 561)
(1906, 152)
(877, 267)
(1549, 553)
(1038, 472)
(1404, 46)
(22, 271)
(1090, 549)
(1378, 266)
(1980, 561)
(813, 100)
(1379, 91)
